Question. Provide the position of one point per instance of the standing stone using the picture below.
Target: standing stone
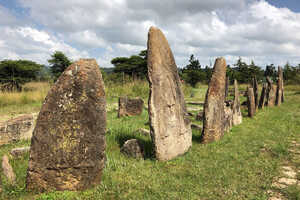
(262, 99)
(228, 117)
(255, 90)
(236, 106)
(251, 102)
(271, 93)
(214, 114)
(130, 107)
(170, 127)
(16, 152)
(279, 89)
(68, 144)
(227, 87)
(8, 170)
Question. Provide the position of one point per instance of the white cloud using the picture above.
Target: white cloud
(253, 29)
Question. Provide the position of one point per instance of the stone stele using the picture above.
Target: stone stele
(130, 106)
(68, 143)
(236, 106)
(214, 114)
(251, 102)
(169, 124)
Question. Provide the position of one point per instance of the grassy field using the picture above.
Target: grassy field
(240, 166)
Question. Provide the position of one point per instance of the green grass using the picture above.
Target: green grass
(240, 166)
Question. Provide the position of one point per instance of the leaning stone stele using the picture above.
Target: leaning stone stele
(214, 114)
(271, 93)
(68, 143)
(170, 127)
(262, 99)
(279, 89)
(236, 106)
(251, 102)
(130, 106)
(255, 90)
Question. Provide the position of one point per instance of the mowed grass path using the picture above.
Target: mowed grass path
(240, 166)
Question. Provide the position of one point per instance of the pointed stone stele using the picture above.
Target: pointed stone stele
(251, 102)
(236, 106)
(68, 144)
(214, 114)
(170, 127)
(255, 90)
(263, 94)
(271, 93)
(279, 89)
(227, 87)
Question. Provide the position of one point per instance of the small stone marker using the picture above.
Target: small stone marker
(170, 126)
(279, 89)
(251, 102)
(143, 131)
(133, 148)
(255, 90)
(214, 114)
(16, 152)
(130, 107)
(199, 116)
(262, 99)
(236, 106)
(228, 117)
(8, 170)
(68, 144)
(271, 93)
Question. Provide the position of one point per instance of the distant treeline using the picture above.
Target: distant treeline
(14, 73)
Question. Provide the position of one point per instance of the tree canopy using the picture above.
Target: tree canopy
(58, 63)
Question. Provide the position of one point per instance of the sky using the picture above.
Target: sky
(266, 31)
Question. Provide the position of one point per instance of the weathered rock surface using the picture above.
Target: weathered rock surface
(251, 102)
(271, 93)
(16, 152)
(263, 96)
(228, 117)
(17, 129)
(68, 144)
(169, 124)
(8, 170)
(279, 89)
(255, 91)
(130, 107)
(214, 115)
(236, 106)
(133, 148)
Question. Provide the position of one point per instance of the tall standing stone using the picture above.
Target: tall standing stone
(68, 143)
(236, 106)
(251, 102)
(170, 127)
(213, 122)
(271, 93)
(279, 89)
(255, 90)
(262, 99)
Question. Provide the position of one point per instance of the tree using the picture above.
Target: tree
(58, 63)
(14, 73)
(135, 65)
(192, 73)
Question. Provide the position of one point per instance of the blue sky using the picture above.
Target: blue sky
(259, 30)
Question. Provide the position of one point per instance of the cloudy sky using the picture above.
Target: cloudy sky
(260, 30)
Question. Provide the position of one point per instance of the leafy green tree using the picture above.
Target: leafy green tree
(14, 73)
(58, 63)
(192, 73)
(134, 66)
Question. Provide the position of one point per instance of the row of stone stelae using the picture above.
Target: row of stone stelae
(68, 144)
